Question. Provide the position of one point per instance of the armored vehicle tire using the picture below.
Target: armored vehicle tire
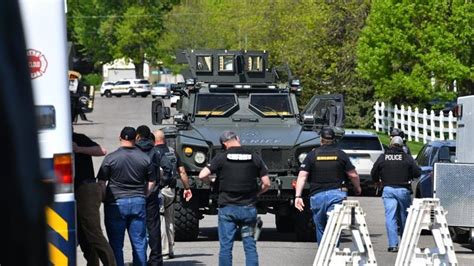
(133, 93)
(108, 94)
(285, 223)
(186, 221)
(304, 226)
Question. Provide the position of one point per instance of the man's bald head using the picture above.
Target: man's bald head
(159, 136)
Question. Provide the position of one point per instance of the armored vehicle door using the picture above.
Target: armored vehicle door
(324, 110)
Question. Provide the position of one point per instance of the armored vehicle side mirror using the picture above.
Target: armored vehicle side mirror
(159, 112)
(307, 119)
(443, 155)
(179, 89)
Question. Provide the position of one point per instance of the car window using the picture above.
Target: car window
(360, 143)
(434, 156)
(143, 81)
(423, 158)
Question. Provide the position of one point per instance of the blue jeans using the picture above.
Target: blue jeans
(322, 203)
(230, 218)
(396, 201)
(130, 214)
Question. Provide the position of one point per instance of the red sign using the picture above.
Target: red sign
(36, 62)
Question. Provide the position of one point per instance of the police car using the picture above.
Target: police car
(363, 149)
(132, 87)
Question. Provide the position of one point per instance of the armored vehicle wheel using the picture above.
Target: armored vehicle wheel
(108, 94)
(285, 223)
(304, 226)
(186, 221)
(133, 93)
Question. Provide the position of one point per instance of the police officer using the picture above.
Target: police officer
(326, 168)
(397, 132)
(237, 170)
(395, 169)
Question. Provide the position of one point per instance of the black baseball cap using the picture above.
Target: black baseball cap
(143, 131)
(128, 133)
(227, 135)
(328, 133)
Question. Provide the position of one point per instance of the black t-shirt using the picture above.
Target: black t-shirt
(84, 168)
(233, 198)
(128, 170)
(327, 166)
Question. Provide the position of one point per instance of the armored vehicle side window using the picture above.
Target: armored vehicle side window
(255, 63)
(216, 104)
(270, 104)
(204, 63)
(226, 63)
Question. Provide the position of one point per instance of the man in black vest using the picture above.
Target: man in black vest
(237, 171)
(397, 132)
(395, 169)
(326, 169)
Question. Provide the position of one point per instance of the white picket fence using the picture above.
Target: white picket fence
(425, 126)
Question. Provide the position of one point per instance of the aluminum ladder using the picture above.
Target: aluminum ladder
(426, 214)
(346, 216)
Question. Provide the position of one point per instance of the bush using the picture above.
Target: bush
(92, 79)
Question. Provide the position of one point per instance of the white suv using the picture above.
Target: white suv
(363, 149)
(132, 87)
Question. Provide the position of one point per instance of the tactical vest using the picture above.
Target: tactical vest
(395, 169)
(239, 172)
(328, 169)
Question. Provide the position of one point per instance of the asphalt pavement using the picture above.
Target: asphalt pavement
(110, 115)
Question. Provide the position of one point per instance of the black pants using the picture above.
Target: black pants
(89, 233)
(153, 227)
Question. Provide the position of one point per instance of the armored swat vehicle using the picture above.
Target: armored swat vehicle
(237, 90)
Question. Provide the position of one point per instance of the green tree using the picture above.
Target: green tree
(317, 39)
(413, 51)
(112, 29)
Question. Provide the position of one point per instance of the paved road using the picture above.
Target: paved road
(111, 114)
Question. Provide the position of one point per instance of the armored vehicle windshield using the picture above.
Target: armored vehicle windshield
(271, 104)
(216, 104)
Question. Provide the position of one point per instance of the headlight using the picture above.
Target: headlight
(302, 156)
(188, 151)
(199, 157)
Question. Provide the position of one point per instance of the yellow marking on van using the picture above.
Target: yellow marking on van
(57, 223)
(326, 158)
(56, 257)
